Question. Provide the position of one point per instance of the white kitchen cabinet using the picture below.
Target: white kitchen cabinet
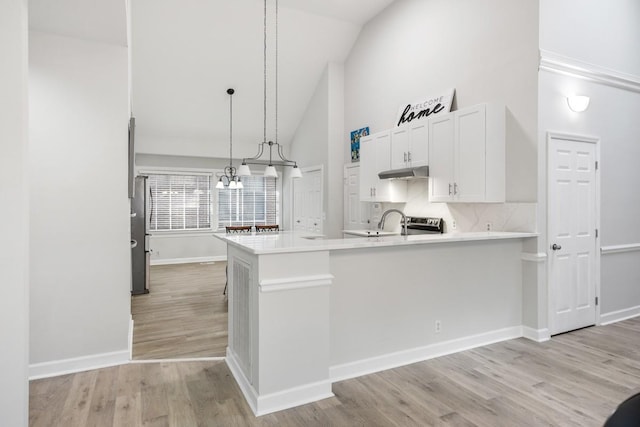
(467, 155)
(410, 145)
(375, 157)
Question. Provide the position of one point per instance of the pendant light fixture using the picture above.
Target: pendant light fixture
(229, 179)
(270, 170)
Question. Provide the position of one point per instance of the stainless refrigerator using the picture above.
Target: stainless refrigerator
(139, 238)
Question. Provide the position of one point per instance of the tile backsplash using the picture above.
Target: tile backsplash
(467, 216)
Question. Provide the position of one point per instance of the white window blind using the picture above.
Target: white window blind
(255, 204)
(179, 202)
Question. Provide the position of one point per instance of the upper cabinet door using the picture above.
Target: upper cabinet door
(467, 155)
(441, 150)
(419, 144)
(400, 147)
(470, 154)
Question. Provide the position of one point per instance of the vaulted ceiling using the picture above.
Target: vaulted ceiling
(186, 53)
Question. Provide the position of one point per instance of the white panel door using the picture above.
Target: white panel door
(356, 213)
(307, 202)
(299, 203)
(571, 233)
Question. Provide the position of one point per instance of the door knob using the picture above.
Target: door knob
(556, 247)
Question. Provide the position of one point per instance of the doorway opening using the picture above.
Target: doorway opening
(184, 315)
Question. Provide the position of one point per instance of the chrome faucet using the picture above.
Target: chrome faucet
(387, 212)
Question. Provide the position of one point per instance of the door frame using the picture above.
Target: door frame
(581, 139)
(304, 170)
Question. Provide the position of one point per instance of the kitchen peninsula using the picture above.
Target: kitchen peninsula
(306, 311)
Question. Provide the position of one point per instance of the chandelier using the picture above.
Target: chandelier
(270, 170)
(229, 179)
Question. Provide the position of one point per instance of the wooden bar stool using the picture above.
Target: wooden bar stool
(237, 229)
(267, 228)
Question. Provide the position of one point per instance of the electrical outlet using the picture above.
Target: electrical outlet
(438, 326)
(488, 226)
(453, 224)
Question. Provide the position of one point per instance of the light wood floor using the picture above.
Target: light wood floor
(576, 379)
(184, 315)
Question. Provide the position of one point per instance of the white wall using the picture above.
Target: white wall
(334, 182)
(14, 216)
(612, 117)
(318, 140)
(487, 50)
(576, 30)
(605, 34)
(188, 247)
(79, 243)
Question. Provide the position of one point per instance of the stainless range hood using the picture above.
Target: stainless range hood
(406, 173)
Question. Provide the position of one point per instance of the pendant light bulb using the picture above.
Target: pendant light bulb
(220, 184)
(296, 172)
(270, 172)
(233, 185)
(244, 170)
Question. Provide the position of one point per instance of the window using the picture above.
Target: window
(255, 204)
(179, 202)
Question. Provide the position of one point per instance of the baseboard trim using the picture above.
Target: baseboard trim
(181, 359)
(537, 335)
(170, 261)
(533, 256)
(273, 402)
(619, 315)
(393, 360)
(246, 388)
(77, 364)
(131, 337)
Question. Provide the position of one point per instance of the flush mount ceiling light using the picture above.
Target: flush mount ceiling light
(270, 170)
(229, 179)
(578, 103)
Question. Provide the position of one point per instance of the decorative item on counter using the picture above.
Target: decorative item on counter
(425, 107)
(355, 142)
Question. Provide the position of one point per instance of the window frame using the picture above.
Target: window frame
(214, 174)
(184, 171)
(278, 209)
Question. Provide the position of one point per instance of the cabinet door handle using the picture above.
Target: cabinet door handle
(449, 188)
(409, 156)
(455, 188)
(405, 157)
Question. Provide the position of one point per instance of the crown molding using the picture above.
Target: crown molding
(556, 63)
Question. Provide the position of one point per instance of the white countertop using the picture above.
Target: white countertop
(296, 241)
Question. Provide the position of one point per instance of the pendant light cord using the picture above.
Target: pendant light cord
(231, 129)
(264, 115)
(276, 97)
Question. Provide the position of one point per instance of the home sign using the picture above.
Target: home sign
(425, 107)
